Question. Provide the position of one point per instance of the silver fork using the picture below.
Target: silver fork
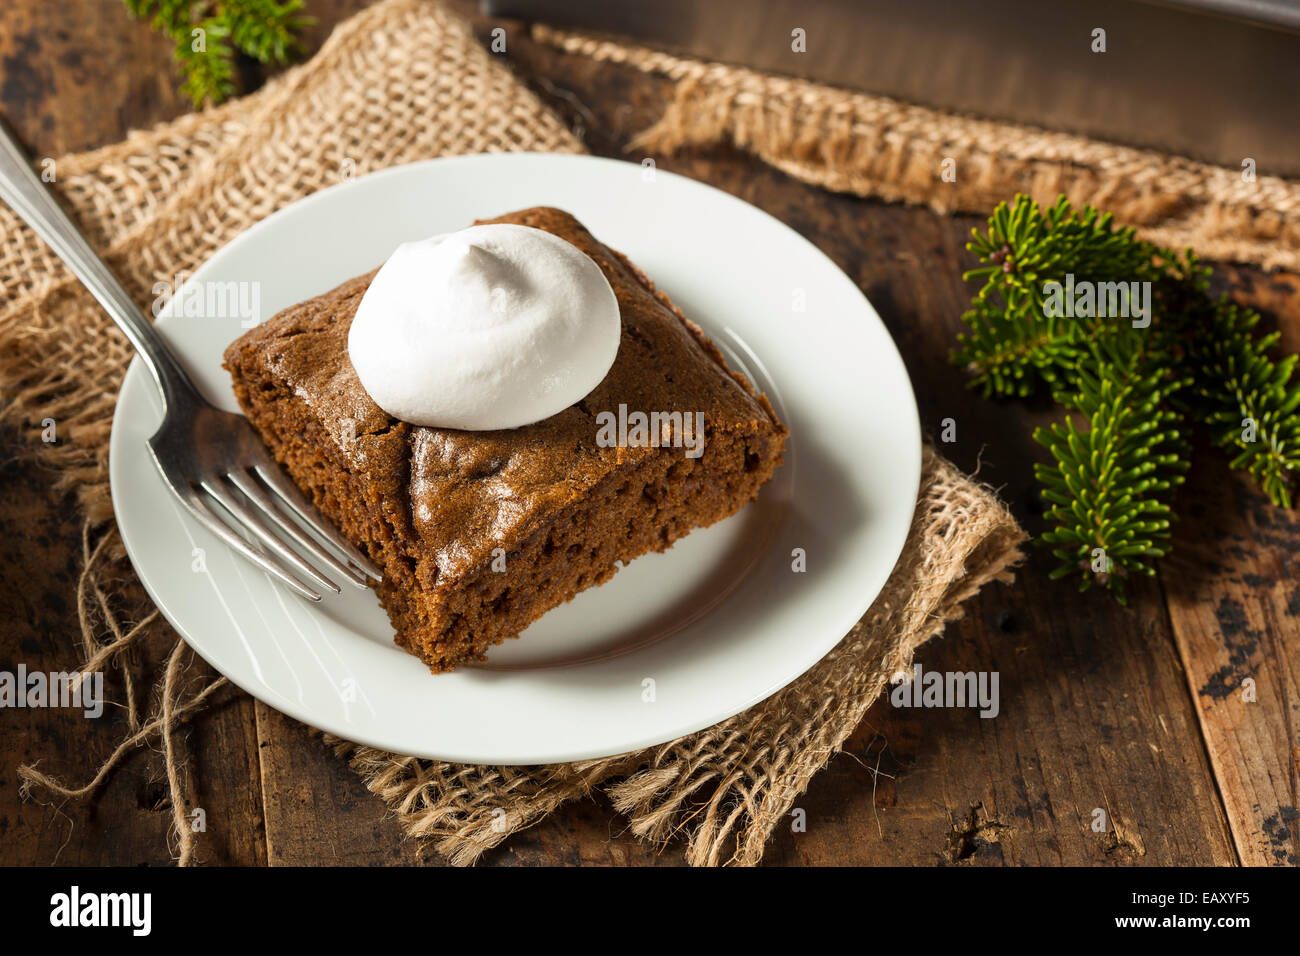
(212, 460)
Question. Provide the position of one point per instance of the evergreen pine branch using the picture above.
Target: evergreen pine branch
(1014, 342)
(262, 29)
(1110, 484)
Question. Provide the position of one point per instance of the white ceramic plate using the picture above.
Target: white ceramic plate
(676, 641)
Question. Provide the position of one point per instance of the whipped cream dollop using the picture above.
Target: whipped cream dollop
(494, 326)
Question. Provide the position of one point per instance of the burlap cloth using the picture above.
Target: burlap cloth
(400, 82)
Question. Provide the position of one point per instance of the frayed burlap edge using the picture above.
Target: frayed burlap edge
(723, 790)
(876, 146)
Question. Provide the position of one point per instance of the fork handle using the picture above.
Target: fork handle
(23, 190)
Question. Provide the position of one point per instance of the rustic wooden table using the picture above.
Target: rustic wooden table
(1132, 710)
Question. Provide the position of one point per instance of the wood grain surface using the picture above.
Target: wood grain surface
(1138, 712)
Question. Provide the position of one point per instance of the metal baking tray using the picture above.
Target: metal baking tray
(1217, 80)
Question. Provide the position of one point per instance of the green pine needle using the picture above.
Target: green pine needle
(1111, 485)
(1138, 387)
(209, 33)
(1015, 344)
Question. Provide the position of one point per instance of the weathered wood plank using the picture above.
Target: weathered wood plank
(79, 74)
(318, 812)
(1233, 585)
(1234, 602)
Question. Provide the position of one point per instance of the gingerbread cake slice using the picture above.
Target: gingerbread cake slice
(479, 533)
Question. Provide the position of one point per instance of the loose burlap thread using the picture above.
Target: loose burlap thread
(399, 82)
(876, 146)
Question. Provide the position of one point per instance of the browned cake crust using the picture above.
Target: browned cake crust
(433, 506)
